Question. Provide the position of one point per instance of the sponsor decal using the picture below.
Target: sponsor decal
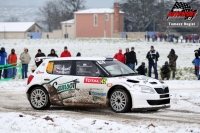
(38, 72)
(96, 89)
(95, 80)
(66, 87)
(109, 85)
(97, 93)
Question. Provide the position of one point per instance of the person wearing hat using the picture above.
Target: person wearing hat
(78, 54)
(39, 54)
(53, 53)
(3, 62)
(25, 60)
(142, 70)
(152, 57)
(165, 71)
(172, 62)
(12, 60)
(65, 53)
(119, 56)
(132, 60)
(126, 56)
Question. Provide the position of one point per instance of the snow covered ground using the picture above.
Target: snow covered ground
(16, 114)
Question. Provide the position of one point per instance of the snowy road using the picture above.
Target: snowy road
(16, 101)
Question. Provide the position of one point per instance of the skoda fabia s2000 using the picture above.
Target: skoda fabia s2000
(77, 81)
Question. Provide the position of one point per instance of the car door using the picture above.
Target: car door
(59, 82)
(92, 88)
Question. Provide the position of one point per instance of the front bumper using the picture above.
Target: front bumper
(145, 101)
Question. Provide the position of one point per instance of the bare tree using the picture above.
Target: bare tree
(56, 11)
(12, 19)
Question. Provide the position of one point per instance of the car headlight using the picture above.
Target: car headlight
(146, 89)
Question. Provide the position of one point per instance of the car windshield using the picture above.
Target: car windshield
(116, 68)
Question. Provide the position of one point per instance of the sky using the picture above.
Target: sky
(100, 3)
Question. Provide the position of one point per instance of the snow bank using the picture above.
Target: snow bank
(17, 122)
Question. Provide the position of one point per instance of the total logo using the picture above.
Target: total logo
(92, 80)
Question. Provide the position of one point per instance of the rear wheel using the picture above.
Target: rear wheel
(120, 101)
(39, 98)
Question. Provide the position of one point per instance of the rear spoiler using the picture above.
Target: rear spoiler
(38, 59)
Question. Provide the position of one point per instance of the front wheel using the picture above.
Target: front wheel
(39, 98)
(120, 101)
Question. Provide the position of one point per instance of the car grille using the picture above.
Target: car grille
(158, 102)
(164, 96)
(161, 90)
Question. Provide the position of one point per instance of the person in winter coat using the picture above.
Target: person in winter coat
(78, 54)
(39, 54)
(142, 70)
(12, 60)
(172, 62)
(65, 53)
(3, 62)
(196, 63)
(53, 53)
(165, 71)
(25, 60)
(198, 51)
(132, 60)
(119, 56)
(126, 56)
(152, 57)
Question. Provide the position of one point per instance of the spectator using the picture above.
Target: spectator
(132, 60)
(126, 56)
(47, 36)
(126, 37)
(78, 54)
(198, 51)
(145, 36)
(65, 53)
(119, 56)
(39, 54)
(142, 70)
(148, 37)
(3, 62)
(152, 57)
(53, 53)
(12, 60)
(25, 60)
(196, 63)
(172, 62)
(165, 71)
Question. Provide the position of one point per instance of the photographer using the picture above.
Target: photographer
(165, 71)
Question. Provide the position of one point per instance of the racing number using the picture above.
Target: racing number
(49, 68)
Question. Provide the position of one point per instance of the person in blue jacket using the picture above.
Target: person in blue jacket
(196, 63)
(3, 62)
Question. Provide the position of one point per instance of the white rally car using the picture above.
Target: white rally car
(101, 81)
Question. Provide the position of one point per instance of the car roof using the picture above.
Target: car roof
(81, 58)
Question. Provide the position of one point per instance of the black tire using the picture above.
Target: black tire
(39, 98)
(120, 101)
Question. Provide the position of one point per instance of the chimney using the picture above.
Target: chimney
(116, 17)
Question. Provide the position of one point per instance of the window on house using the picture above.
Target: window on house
(106, 17)
(95, 20)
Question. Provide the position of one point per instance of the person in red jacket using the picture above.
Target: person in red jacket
(119, 56)
(12, 60)
(65, 53)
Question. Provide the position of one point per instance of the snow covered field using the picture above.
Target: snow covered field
(16, 114)
(109, 47)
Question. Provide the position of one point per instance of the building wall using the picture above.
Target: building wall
(13, 35)
(55, 34)
(85, 26)
(68, 28)
(130, 34)
(34, 28)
